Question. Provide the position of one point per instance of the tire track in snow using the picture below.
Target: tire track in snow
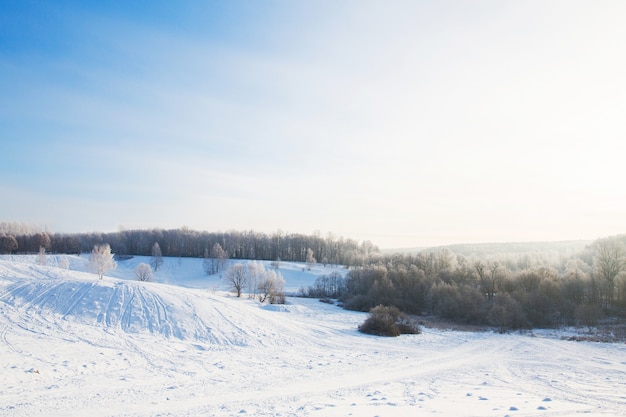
(107, 315)
(11, 290)
(154, 315)
(42, 297)
(126, 315)
(76, 297)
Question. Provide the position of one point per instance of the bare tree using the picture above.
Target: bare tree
(101, 260)
(143, 272)
(237, 277)
(157, 257)
(609, 262)
(489, 276)
(221, 255)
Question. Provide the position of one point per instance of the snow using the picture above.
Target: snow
(73, 345)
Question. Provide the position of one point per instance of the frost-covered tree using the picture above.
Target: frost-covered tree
(310, 259)
(271, 287)
(255, 273)
(237, 277)
(64, 263)
(215, 259)
(41, 256)
(143, 272)
(43, 240)
(157, 257)
(101, 260)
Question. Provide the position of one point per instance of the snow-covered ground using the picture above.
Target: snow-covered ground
(73, 345)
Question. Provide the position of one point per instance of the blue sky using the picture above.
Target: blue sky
(406, 123)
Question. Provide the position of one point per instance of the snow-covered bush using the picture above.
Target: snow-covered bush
(388, 321)
(143, 272)
(271, 287)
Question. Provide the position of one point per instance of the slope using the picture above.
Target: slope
(71, 345)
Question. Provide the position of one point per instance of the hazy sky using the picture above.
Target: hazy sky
(407, 123)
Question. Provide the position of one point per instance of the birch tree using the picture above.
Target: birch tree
(101, 260)
(215, 259)
(41, 256)
(609, 262)
(310, 259)
(157, 257)
(237, 277)
(271, 287)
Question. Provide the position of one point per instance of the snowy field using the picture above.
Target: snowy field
(73, 345)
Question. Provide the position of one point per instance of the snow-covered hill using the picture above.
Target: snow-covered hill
(73, 345)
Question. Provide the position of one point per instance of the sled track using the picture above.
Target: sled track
(78, 296)
(5, 331)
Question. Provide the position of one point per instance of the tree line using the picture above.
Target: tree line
(184, 242)
(504, 291)
(508, 291)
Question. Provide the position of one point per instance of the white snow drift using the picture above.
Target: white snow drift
(72, 345)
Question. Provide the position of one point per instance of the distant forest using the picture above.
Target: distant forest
(184, 242)
(508, 286)
(552, 286)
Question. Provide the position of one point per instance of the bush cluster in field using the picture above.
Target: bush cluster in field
(388, 321)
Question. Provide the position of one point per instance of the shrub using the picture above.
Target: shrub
(588, 314)
(277, 298)
(388, 321)
(506, 313)
(359, 302)
(460, 303)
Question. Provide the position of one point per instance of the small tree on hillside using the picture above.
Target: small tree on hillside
(101, 260)
(310, 259)
(143, 272)
(41, 256)
(237, 277)
(157, 257)
(255, 274)
(271, 287)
